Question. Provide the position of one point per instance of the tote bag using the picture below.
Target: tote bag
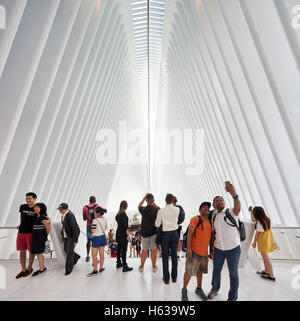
(254, 260)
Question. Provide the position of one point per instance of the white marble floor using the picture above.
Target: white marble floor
(113, 284)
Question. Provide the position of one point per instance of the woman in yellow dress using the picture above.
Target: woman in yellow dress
(264, 239)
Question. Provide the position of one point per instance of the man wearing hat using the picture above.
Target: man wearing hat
(198, 239)
(70, 233)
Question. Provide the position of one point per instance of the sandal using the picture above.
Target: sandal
(268, 277)
(263, 272)
(101, 270)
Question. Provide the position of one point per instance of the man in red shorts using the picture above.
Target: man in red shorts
(24, 239)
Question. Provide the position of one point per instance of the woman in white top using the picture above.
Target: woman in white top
(99, 226)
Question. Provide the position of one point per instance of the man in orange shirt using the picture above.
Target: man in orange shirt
(198, 239)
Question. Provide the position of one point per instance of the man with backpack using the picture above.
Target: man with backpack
(196, 241)
(228, 232)
(88, 216)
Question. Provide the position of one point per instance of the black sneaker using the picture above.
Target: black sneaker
(93, 273)
(119, 265)
(126, 268)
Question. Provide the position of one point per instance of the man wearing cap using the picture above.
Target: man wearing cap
(70, 233)
(198, 239)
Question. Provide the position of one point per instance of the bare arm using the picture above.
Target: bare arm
(47, 225)
(18, 227)
(236, 202)
(142, 201)
(84, 215)
(255, 239)
(156, 206)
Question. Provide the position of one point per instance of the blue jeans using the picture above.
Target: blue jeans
(170, 242)
(232, 257)
(89, 234)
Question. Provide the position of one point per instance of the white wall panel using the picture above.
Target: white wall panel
(232, 69)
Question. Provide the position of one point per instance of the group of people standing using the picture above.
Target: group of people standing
(33, 232)
(212, 234)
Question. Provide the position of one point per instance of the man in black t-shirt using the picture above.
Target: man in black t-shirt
(24, 238)
(148, 230)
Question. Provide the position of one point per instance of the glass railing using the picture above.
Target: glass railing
(287, 243)
(8, 237)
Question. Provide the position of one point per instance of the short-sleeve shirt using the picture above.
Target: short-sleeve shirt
(38, 224)
(28, 217)
(259, 227)
(227, 236)
(201, 238)
(85, 212)
(149, 214)
(96, 225)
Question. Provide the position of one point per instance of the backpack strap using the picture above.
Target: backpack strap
(199, 222)
(90, 208)
(231, 219)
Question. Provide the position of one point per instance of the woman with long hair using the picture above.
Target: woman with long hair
(41, 230)
(122, 237)
(264, 239)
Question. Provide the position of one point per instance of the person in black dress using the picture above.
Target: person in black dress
(122, 237)
(41, 230)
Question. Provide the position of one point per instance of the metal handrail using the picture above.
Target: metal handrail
(8, 227)
(285, 228)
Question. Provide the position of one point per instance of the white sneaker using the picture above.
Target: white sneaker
(154, 269)
(141, 269)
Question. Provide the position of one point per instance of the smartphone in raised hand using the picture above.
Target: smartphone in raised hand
(227, 183)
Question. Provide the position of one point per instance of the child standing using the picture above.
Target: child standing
(113, 248)
(138, 246)
(264, 239)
